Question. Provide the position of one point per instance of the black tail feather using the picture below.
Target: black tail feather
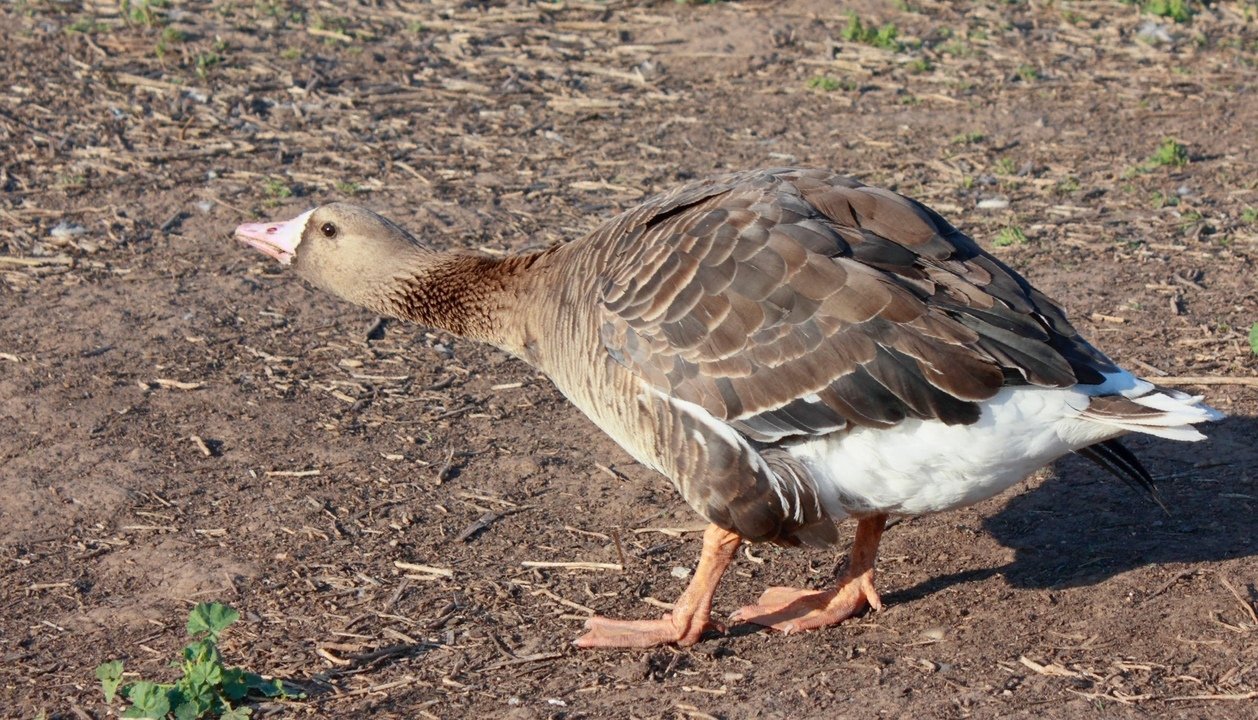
(1120, 462)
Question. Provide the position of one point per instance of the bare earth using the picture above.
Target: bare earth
(183, 422)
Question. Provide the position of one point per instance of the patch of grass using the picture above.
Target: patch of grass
(205, 61)
(170, 36)
(882, 37)
(1027, 73)
(1006, 166)
(969, 138)
(1249, 215)
(1170, 153)
(1189, 219)
(87, 26)
(71, 180)
(956, 48)
(1160, 199)
(208, 689)
(291, 53)
(348, 188)
(1178, 10)
(276, 190)
(826, 83)
(331, 23)
(921, 65)
(416, 27)
(1253, 338)
(1069, 185)
(1011, 235)
(144, 12)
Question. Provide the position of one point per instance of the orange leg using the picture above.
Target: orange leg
(789, 610)
(691, 615)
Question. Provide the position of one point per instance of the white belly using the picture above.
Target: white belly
(926, 466)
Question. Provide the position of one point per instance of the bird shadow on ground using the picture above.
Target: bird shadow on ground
(1083, 527)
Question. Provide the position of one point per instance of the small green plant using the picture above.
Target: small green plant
(824, 82)
(1069, 185)
(1253, 338)
(208, 689)
(205, 61)
(348, 188)
(143, 12)
(1170, 153)
(883, 37)
(969, 138)
(1027, 73)
(921, 65)
(1178, 10)
(291, 53)
(1160, 199)
(1011, 235)
(170, 36)
(1189, 219)
(276, 190)
(955, 47)
(87, 26)
(1006, 166)
(1249, 215)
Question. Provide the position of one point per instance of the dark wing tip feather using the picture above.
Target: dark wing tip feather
(1114, 457)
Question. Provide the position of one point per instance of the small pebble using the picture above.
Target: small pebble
(935, 633)
(204, 205)
(993, 203)
(66, 230)
(681, 572)
(1153, 33)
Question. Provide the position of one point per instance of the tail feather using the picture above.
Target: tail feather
(1166, 413)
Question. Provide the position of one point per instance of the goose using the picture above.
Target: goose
(789, 347)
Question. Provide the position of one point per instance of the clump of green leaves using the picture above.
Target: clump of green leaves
(1028, 73)
(1171, 153)
(1253, 338)
(882, 37)
(208, 689)
(1011, 235)
(1250, 215)
(1178, 10)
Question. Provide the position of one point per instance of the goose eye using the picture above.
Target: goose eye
(328, 230)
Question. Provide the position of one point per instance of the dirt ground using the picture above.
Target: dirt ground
(183, 422)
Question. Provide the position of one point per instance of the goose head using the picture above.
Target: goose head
(341, 248)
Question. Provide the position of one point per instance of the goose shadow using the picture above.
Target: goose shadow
(1083, 526)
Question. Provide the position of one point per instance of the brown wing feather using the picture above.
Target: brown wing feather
(796, 302)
